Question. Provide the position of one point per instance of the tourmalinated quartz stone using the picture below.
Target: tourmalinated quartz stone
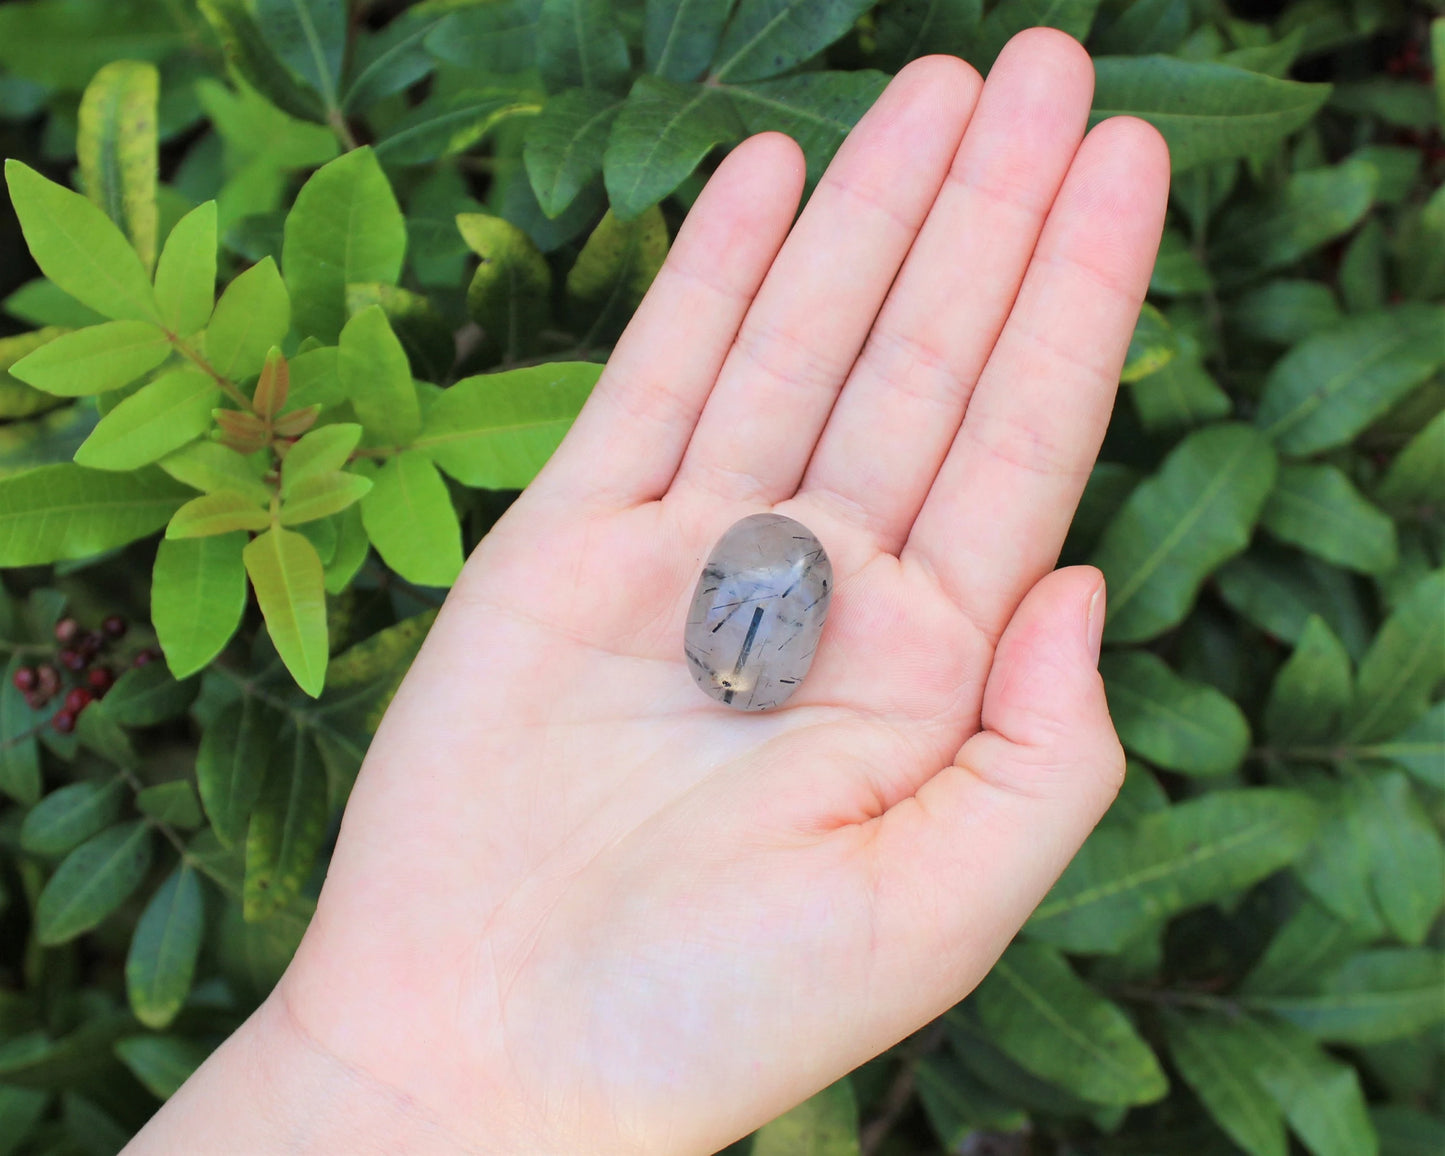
(758, 612)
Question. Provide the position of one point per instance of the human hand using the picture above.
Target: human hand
(576, 906)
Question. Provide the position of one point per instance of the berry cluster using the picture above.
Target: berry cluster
(77, 662)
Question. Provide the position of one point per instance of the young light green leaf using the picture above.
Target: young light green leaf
(161, 417)
(163, 951)
(315, 380)
(662, 133)
(1312, 689)
(680, 37)
(1058, 1027)
(423, 331)
(287, 827)
(117, 148)
(69, 816)
(344, 227)
(94, 360)
(1371, 997)
(92, 881)
(319, 452)
(1403, 666)
(223, 512)
(1417, 474)
(1174, 723)
(252, 59)
(1010, 17)
(497, 430)
(309, 38)
(409, 518)
(1178, 526)
(1317, 508)
(236, 747)
(211, 467)
(451, 123)
(376, 376)
(321, 495)
(253, 314)
(614, 270)
(79, 248)
(1129, 877)
(287, 577)
(186, 273)
(352, 548)
(41, 302)
(161, 1063)
(766, 37)
(1331, 386)
(822, 1125)
(1206, 111)
(262, 137)
(566, 143)
(816, 109)
(1218, 1063)
(65, 511)
(579, 45)
(510, 291)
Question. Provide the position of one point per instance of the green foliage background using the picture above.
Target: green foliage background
(427, 223)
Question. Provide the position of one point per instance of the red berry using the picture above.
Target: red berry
(65, 630)
(63, 721)
(78, 699)
(25, 678)
(100, 679)
(89, 644)
(47, 680)
(35, 700)
(114, 626)
(72, 660)
(144, 657)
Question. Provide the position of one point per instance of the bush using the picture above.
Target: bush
(1248, 946)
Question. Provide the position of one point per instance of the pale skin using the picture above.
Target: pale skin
(578, 907)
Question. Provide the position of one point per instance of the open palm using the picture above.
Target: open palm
(578, 906)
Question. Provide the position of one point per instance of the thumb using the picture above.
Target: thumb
(991, 832)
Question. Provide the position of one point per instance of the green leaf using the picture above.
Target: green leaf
(409, 518)
(223, 512)
(20, 1111)
(321, 451)
(1373, 996)
(198, 595)
(352, 549)
(174, 803)
(1417, 474)
(66, 818)
(1406, 858)
(1312, 689)
(289, 584)
(1010, 17)
(1308, 943)
(1317, 508)
(490, 36)
(1284, 312)
(662, 133)
(766, 37)
(1309, 210)
(236, 748)
(117, 148)
(497, 430)
(1174, 723)
(424, 333)
(309, 38)
(1362, 269)
(64, 511)
(1179, 396)
(816, 109)
(1337, 868)
(1331, 386)
(146, 695)
(451, 123)
(161, 1063)
(1206, 111)
(680, 37)
(1419, 748)
(1406, 1131)
(344, 227)
(1179, 525)
(211, 467)
(287, 827)
(252, 59)
(1403, 666)
(1058, 1027)
(19, 750)
(1319, 1096)
(315, 380)
(79, 248)
(256, 130)
(1129, 877)
(376, 377)
(92, 881)
(390, 60)
(186, 273)
(957, 1104)
(614, 270)
(94, 360)
(1152, 346)
(823, 1125)
(321, 495)
(163, 951)
(1218, 1063)
(161, 417)
(1144, 27)
(511, 289)
(1277, 590)
(565, 145)
(579, 45)
(253, 314)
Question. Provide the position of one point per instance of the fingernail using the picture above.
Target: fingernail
(1096, 622)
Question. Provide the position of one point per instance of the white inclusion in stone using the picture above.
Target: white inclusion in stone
(757, 612)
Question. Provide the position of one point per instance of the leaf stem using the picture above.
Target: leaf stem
(228, 387)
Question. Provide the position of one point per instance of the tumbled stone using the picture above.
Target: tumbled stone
(758, 611)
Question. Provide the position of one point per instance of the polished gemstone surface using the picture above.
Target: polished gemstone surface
(758, 611)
